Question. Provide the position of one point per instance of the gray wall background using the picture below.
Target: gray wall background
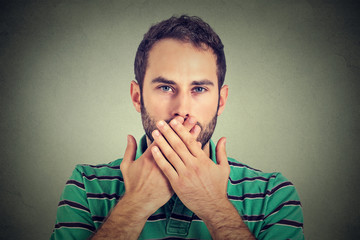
(293, 73)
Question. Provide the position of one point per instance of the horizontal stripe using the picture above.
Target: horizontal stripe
(181, 217)
(281, 185)
(98, 218)
(284, 222)
(249, 195)
(105, 166)
(73, 205)
(92, 177)
(288, 203)
(196, 218)
(260, 195)
(250, 179)
(75, 225)
(174, 238)
(161, 216)
(102, 196)
(234, 164)
(76, 183)
(252, 218)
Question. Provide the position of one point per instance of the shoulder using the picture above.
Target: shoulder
(251, 180)
(242, 171)
(102, 182)
(111, 168)
(268, 202)
(101, 178)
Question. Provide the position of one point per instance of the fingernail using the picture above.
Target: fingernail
(161, 123)
(197, 129)
(156, 133)
(192, 120)
(180, 119)
(155, 149)
(174, 122)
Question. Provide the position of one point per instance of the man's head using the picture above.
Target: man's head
(180, 69)
(185, 29)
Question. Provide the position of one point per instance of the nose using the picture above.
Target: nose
(181, 105)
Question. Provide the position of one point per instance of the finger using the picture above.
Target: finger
(188, 139)
(221, 156)
(168, 151)
(130, 152)
(147, 152)
(180, 119)
(163, 164)
(189, 123)
(179, 142)
(195, 131)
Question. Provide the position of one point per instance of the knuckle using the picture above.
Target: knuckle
(123, 166)
(181, 183)
(227, 170)
(178, 144)
(167, 129)
(191, 141)
(171, 154)
(187, 175)
(165, 168)
(196, 169)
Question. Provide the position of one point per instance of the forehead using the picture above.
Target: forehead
(181, 61)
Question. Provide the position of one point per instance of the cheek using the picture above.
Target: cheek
(205, 109)
(157, 106)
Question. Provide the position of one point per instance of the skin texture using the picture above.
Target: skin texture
(180, 89)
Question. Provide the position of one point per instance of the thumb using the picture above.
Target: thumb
(130, 152)
(221, 156)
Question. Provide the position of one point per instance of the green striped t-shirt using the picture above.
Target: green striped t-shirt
(267, 202)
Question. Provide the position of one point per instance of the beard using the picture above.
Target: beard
(149, 124)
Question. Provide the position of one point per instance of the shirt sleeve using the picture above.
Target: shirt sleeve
(73, 219)
(283, 216)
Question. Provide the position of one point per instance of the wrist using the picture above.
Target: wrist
(216, 210)
(221, 215)
(131, 207)
(124, 222)
(226, 223)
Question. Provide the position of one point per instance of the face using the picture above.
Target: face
(180, 80)
(149, 124)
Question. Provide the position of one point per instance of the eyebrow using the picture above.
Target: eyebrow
(171, 82)
(162, 80)
(203, 82)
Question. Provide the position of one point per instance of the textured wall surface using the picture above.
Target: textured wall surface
(293, 74)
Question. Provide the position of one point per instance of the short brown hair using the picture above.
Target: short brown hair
(183, 28)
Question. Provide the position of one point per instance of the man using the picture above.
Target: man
(180, 186)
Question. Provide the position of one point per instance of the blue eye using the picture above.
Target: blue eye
(165, 88)
(199, 89)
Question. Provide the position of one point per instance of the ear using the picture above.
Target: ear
(135, 95)
(224, 91)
